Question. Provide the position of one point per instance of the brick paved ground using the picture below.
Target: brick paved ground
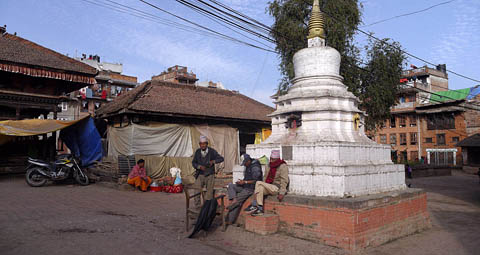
(70, 219)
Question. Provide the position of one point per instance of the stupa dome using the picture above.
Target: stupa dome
(316, 61)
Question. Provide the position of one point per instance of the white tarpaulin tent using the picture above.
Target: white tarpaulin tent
(169, 140)
(158, 141)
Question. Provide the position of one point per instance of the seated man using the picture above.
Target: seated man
(275, 183)
(239, 192)
(138, 176)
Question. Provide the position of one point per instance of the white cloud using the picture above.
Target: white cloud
(166, 51)
(460, 39)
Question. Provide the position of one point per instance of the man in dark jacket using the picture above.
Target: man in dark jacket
(204, 161)
(240, 191)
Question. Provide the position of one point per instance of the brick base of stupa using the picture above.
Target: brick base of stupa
(352, 224)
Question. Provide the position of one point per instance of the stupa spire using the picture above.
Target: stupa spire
(316, 30)
(316, 24)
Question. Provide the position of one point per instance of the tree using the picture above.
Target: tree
(379, 80)
(290, 30)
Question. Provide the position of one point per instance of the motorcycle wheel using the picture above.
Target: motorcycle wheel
(82, 179)
(34, 178)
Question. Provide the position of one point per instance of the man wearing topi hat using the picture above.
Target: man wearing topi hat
(204, 161)
(275, 183)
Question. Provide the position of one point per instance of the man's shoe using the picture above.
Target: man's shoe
(251, 209)
(258, 212)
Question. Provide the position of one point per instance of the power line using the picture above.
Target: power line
(118, 7)
(218, 18)
(205, 28)
(408, 14)
(396, 47)
(432, 93)
(229, 14)
(153, 18)
(241, 14)
(361, 31)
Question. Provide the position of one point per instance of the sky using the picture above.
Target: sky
(447, 34)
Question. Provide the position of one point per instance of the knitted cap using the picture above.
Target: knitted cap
(275, 154)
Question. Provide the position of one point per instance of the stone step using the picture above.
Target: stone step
(266, 224)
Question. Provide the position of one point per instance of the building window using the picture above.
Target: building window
(402, 121)
(441, 139)
(429, 140)
(64, 106)
(392, 122)
(403, 139)
(455, 139)
(414, 155)
(413, 138)
(413, 121)
(441, 121)
(383, 139)
(393, 139)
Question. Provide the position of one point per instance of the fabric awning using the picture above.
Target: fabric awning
(34, 126)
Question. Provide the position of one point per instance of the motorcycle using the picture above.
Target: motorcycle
(40, 171)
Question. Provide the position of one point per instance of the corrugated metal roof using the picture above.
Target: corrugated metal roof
(448, 95)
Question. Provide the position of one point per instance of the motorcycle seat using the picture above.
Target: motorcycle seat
(39, 161)
(50, 165)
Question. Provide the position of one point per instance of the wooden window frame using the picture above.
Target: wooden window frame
(403, 141)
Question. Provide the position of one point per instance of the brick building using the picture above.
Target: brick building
(177, 74)
(109, 83)
(429, 120)
(34, 81)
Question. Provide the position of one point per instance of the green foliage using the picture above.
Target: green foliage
(290, 31)
(379, 86)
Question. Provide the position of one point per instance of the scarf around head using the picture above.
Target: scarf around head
(273, 170)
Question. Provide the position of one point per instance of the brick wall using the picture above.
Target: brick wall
(472, 120)
(352, 224)
(459, 132)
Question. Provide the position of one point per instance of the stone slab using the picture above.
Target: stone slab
(264, 225)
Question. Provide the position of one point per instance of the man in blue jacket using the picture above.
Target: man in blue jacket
(241, 190)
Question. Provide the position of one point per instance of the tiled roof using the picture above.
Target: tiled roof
(16, 50)
(471, 141)
(181, 99)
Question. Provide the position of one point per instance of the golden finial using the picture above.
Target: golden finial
(316, 24)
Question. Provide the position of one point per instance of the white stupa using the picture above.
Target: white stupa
(318, 128)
